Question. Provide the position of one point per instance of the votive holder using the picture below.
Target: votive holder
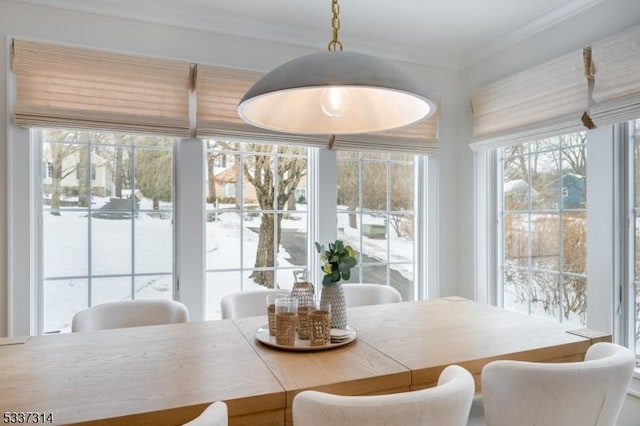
(320, 324)
(286, 321)
(271, 310)
(304, 307)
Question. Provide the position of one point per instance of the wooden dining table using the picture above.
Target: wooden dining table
(168, 374)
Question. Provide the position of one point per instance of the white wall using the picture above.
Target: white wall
(89, 30)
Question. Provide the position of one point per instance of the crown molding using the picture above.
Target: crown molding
(526, 31)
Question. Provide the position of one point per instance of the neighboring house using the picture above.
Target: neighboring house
(102, 182)
(226, 183)
(516, 194)
(226, 179)
(574, 191)
(301, 189)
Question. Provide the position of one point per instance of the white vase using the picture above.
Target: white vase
(334, 294)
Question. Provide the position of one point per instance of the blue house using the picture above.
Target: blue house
(574, 190)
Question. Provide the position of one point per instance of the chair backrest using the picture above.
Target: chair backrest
(246, 303)
(129, 313)
(444, 405)
(585, 393)
(214, 415)
(370, 294)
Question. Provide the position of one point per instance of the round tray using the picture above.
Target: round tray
(262, 336)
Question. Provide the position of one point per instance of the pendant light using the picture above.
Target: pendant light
(335, 93)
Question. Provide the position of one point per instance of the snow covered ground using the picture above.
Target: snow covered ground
(230, 244)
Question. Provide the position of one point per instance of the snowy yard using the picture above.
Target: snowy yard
(231, 244)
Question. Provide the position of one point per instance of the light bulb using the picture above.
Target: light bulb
(334, 101)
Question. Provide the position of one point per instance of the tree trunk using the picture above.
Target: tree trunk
(239, 181)
(291, 202)
(211, 184)
(353, 219)
(156, 203)
(119, 170)
(56, 181)
(265, 253)
(83, 176)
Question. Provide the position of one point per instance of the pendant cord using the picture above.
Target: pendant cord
(334, 44)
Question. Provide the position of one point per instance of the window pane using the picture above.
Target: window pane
(401, 195)
(293, 242)
(111, 243)
(220, 284)
(62, 299)
(545, 180)
(516, 289)
(154, 287)
(401, 238)
(574, 227)
(60, 184)
(374, 187)
(374, 274)
(65, 241)
(545, 297)
(545, 241)
(401, 277)
(575, 300)
(153, 243)
(154, 179)
(515, 189)
(114, 289)
(224, 239)
(348, 185)
(516, 239)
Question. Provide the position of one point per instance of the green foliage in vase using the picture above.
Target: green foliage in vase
(337, 261)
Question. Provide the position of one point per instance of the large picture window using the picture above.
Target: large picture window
(106, 206)
(544, 228)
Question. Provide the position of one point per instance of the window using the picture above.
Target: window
(107, 234)
(257, 228)
(376, 215)
(542, 239)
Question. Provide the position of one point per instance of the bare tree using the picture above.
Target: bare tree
(63, 162)
(271, 193)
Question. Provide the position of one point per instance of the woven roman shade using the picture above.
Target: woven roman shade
(420, 137)
(219, 91)
(68, 87)
(616, 90)
(543, 101)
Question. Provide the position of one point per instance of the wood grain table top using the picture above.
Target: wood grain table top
(168, 374)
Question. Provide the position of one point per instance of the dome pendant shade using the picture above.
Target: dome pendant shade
(334, 93)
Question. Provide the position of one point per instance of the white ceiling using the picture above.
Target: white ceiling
(450, 33)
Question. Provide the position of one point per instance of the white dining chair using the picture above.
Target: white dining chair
(370, 294)
(129, 313)
(247, 303)
(444, 405)
(214, 415)
(588, 393)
